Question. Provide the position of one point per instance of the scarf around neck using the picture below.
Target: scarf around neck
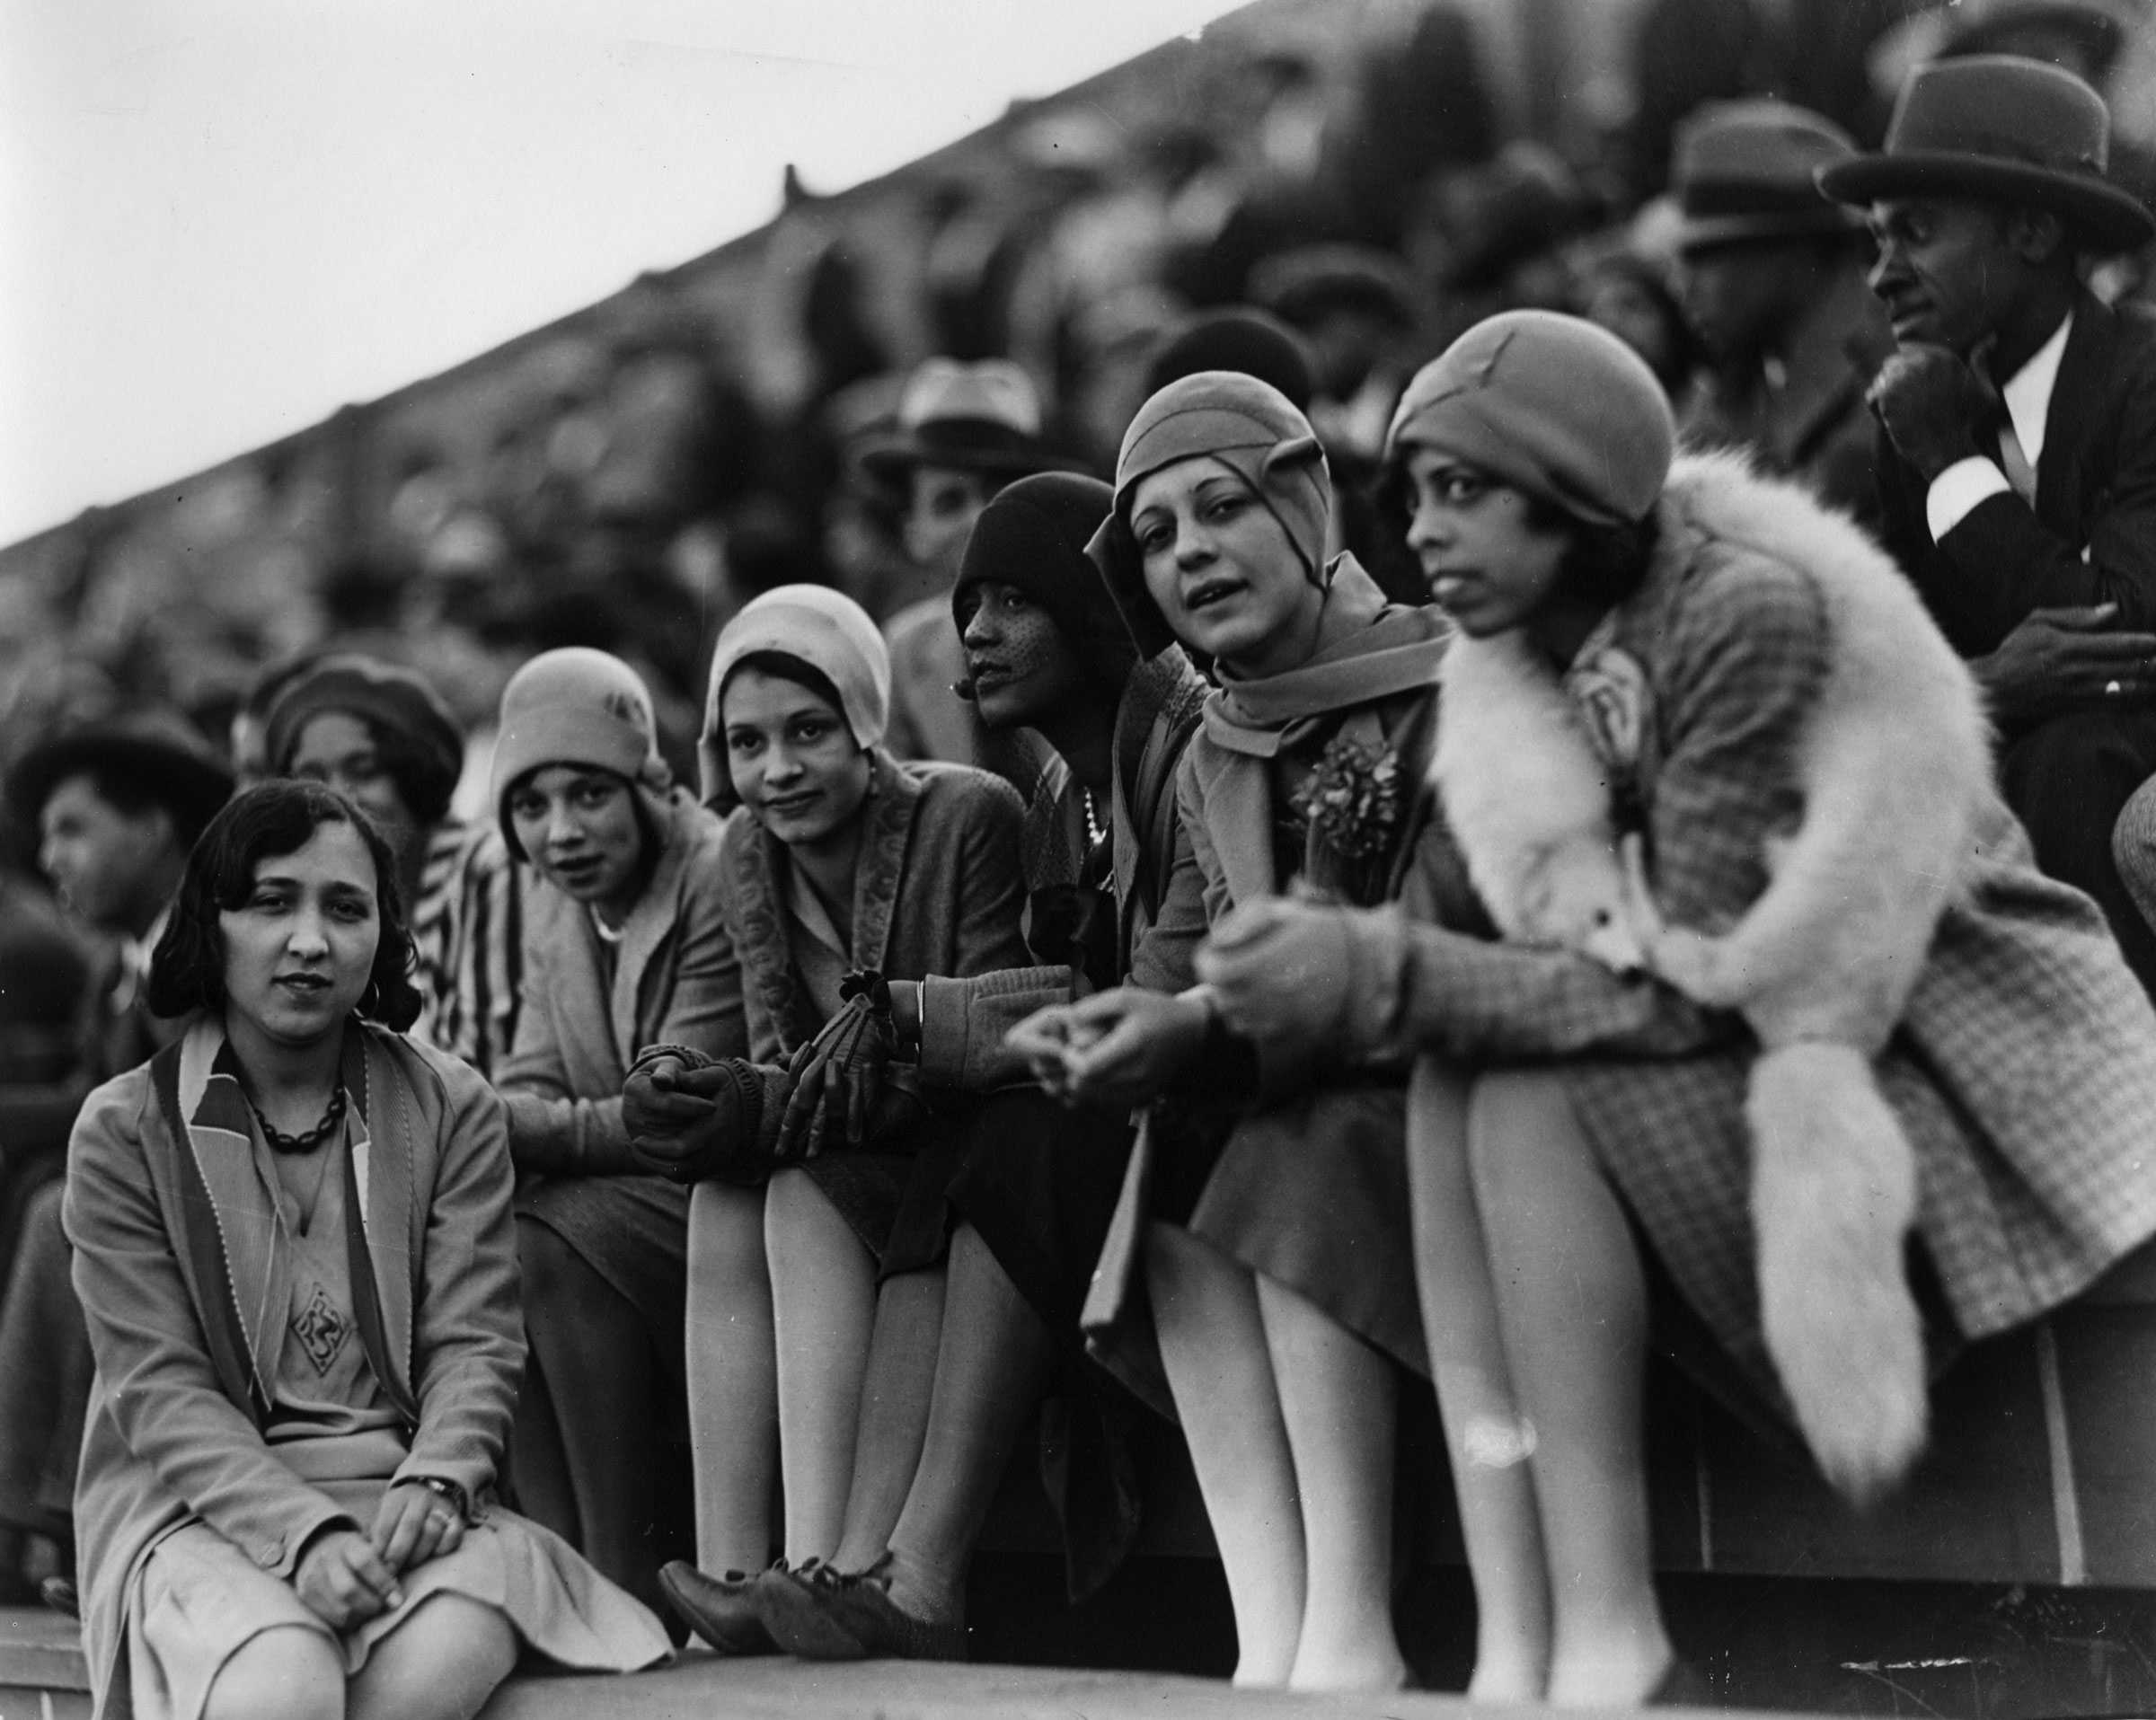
(1367, 649)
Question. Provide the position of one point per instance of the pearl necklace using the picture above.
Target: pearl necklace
(1096, 826)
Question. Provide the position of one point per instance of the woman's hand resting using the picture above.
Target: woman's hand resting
(1116, 1050)
(342, 1580)
(414, 1524)
(1279, 969)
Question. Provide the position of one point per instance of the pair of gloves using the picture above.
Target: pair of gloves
(691, 1118)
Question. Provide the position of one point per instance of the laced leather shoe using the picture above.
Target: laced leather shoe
(821, 1614)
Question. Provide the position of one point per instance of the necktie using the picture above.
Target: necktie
(2014, 461)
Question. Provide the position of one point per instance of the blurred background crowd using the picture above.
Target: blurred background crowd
(1325, 191)
(1376, 174)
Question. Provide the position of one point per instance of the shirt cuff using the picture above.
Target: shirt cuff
(1956, 492)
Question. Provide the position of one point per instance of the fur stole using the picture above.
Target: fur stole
(1895, 764)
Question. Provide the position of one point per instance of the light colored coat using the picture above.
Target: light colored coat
(677, 981)
(173, 1239)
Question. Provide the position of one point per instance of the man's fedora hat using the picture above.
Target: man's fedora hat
(1993, 126)
(981, 417)
(1748, 171)
(159, 749)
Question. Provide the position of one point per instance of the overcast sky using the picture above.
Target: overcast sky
(221, 219)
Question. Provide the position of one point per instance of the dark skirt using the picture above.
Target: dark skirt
(1038, 1181)
(634, 1231)
(870, 1187)
(1312, 1193)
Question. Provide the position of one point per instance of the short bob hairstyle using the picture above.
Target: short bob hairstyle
(187, 971)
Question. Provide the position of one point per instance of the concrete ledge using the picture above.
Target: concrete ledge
(39, 1650)
(781, 1689)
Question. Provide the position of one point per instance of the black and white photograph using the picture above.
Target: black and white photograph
(872, 859)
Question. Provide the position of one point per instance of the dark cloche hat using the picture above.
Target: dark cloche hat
(1994, 125)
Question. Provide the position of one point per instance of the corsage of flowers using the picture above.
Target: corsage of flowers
(1351, 800)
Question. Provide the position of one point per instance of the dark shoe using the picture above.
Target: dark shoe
(792, 1605)
(824, 1615)
(717, 1608)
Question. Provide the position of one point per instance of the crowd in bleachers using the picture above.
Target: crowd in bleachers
(859, 907)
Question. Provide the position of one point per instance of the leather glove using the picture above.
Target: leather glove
(839, 1085)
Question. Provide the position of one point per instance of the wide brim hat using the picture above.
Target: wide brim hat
(1745, 172)
(2001, 128)
(160, 749)
(982, 418)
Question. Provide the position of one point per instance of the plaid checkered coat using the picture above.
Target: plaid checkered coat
(2024, 1070)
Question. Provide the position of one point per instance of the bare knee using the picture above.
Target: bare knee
(726, 1239)
(287, 1674)
(1174, 1256)
(1520, 1122)
(1187, 1278)
(441, 1664)
(793, 1203)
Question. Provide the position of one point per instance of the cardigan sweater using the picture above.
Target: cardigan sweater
(175, 1245)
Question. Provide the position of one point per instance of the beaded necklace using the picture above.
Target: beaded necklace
(307, 1140)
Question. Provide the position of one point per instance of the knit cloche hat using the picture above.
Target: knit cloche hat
(825, 630)
(1551, 404)
(1244, 424)
(575, 706)
(1033, 536)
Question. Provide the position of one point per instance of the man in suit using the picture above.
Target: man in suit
(117, 806)
(2017, 470)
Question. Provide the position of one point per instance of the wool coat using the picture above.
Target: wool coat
(176, 1247)
(936, 890)
(675, 981)
(964, 1017)
(2024, 1067)
(1316, 1174)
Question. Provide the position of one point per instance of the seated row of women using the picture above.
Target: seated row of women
(1280, 1041)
